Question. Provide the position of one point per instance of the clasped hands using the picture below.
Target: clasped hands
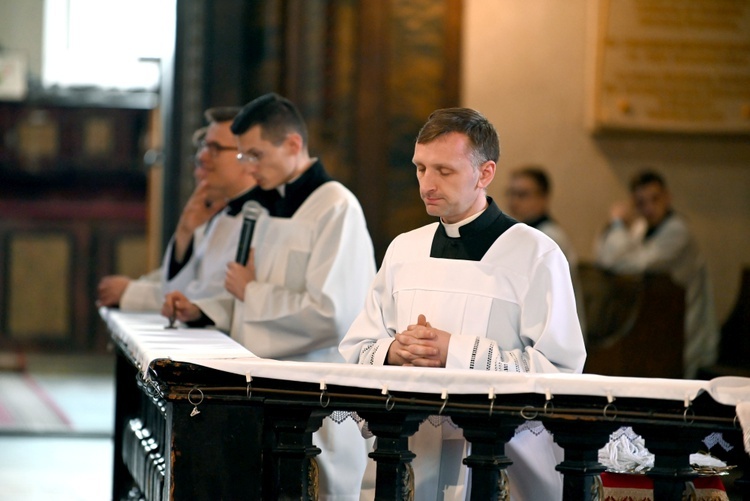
(419, 345)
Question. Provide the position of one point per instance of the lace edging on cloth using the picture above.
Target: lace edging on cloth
(717, 438)
(338, 417)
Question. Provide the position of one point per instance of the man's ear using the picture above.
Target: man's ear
(294, 143)
(486, 174)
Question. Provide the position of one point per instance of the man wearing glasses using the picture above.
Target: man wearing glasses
(529, 193)
(207, 232)
(310, 266)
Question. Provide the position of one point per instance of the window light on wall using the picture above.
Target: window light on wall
(110, 44)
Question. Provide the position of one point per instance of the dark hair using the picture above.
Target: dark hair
(276, 115)
(221, 114)
(537, 174)
(645, 177)
(485, 145)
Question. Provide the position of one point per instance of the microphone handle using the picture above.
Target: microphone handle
(246, 236)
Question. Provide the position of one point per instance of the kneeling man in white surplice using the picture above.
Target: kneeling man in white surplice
(477, 291)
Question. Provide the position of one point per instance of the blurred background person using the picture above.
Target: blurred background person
(646, 235)
(528, 195)
(145, 291)
(207, 232)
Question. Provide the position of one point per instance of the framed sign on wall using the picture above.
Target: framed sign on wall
(672, 66)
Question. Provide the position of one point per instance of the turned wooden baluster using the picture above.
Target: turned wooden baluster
(671, 447)
(293, 467)
(581, 441)
(487, 459)
(395, 478)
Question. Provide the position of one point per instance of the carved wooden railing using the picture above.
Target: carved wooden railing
(215, 427)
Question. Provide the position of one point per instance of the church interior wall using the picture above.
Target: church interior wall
(527, 66)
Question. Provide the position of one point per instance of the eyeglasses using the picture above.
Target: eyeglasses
(249, 158)
(214, 149)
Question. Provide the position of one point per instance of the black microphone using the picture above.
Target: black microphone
(250, 213)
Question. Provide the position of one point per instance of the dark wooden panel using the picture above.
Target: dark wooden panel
(364, 73)
(49, 149)
(91, 232)
(635, 324)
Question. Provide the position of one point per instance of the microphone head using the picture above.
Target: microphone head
(251, 210)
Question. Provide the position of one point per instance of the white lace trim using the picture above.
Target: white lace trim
(338, 417)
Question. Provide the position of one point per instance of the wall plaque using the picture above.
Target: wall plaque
(13, 80)
(673, 65)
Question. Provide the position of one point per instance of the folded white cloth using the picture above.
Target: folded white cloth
(706, 460)
(626, 452)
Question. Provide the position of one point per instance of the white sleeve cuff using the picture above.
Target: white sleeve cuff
(462, 351)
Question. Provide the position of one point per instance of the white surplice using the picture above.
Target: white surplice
(202, 276)
(313, 271)
(144, 293)
(513, 310)
(552, 229)
(214, 245)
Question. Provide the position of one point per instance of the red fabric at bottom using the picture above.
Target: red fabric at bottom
(624, 487)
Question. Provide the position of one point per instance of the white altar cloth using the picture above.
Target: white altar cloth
(144, 337)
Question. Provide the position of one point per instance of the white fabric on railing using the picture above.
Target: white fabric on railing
(144, 337)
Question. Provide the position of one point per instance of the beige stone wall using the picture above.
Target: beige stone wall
(24, 36)
(527, 66)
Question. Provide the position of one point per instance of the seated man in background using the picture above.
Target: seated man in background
(529, 191)
(307, 275)
(207, 232)
(477, 291)
(647, 235)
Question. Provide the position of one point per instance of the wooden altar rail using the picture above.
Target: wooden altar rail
(190, 432)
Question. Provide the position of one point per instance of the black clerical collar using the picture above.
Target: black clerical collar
(536, 222)
(234, 206)
(652, 230)
(296, 192)
(476, 237)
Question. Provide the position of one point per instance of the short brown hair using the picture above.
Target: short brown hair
(645, 177)
(276, 115)
(221, 114)
(485, 144)
(537, 174)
